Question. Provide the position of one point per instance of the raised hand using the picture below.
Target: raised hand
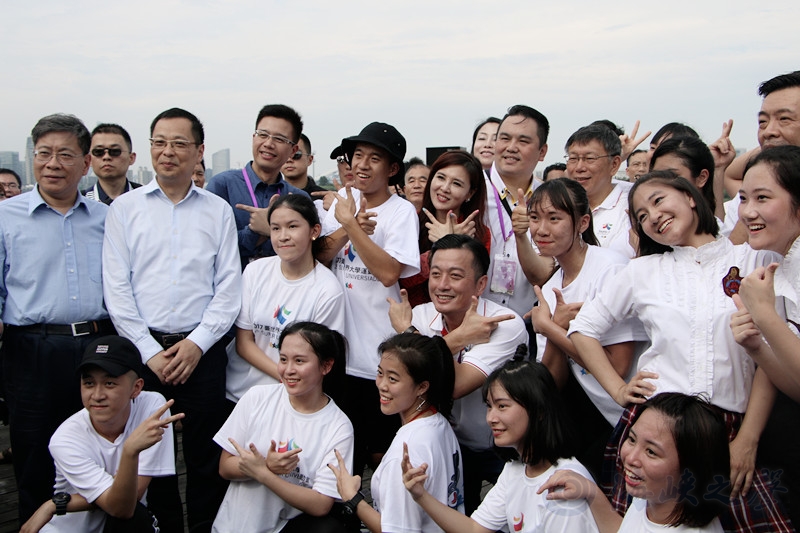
(630, 142)
(347, 484)
(722, 149)
(281, 463)
(251, 463)
(568, 485)
(479, 327)
(400, 313)
(365, 218)
(564, 312)
(745, 332)
(467, 226)
(519, 215)
(757, 291)
(436, 229)
(413, 477)
(151, 430)
(345, 210)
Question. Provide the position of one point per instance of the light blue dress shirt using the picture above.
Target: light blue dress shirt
(51, 261)
(171, 267)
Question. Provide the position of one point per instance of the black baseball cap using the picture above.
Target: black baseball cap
(114, 354)
(383, 136)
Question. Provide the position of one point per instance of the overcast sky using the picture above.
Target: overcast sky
(432, 69)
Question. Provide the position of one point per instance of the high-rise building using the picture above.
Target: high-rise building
(220, 162)
(28, 177)
(11, 161)
(144, 175)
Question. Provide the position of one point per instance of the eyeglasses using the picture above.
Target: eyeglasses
(113, 152)
(588, 159)
(298, 155)
(9, 185)
(65, 158)
(265, 136)
(342, 160)
(179, 145)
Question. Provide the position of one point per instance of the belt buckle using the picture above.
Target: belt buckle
(76, 333)
(172, 339)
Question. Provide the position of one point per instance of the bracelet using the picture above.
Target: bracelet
(411, 329)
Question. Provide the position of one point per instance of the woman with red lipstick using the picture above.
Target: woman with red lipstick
(278, 441)
(560, 224)
(454, 202)
(529, 426)
(415, 380)
(674, 458)
(288, 287)
(680, 289)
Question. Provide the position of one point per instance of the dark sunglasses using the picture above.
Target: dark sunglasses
(113, 152)
(298, 155)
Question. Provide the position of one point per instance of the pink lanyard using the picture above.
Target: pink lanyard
(250, 188)
(500, 212)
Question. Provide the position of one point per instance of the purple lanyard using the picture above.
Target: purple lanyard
(500, 213)
(250, 188)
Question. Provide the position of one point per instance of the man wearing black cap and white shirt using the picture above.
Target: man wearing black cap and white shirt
(374, 244)
(106, 453)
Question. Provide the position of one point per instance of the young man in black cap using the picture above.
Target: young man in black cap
(106, 453)
(374, 244)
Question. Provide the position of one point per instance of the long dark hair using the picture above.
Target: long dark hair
(303, 206)
(328, 345)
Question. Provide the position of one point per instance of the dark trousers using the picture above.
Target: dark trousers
(479, 466)
(42, 390)
(779, 452)
(202, 399)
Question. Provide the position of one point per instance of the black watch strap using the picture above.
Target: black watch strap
(61, 499)
(352, 504)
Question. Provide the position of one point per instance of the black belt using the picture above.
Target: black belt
(76, 329)
(168, 339)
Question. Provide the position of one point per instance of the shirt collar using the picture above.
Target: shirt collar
(502, 190)
(35, 200)
(255, 181)
(155, 187)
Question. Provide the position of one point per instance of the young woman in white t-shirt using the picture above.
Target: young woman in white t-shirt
(529, 426)
(559, 220)
(289, 287)
(415, 379)
(279, 439)
(675, 457)
(680, 289)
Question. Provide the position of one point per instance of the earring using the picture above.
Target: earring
(419, 407)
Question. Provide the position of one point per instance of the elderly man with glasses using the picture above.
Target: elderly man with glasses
(250, 189)
(112, 154)
(51, 298)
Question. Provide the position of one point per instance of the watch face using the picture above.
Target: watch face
(61, 498)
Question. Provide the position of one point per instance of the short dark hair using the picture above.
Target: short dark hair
(696, 156)
(328, 345)
(673, 129)
(569, 196)
(542, 124)
(426, 359)
(115, 129)
(305, 207)
(413, 162)
(596, 132)
(286, 113)
(455, 241)
(306, 140)
(554, 166)
(9, 171)
(784, 81)
(618, 130)
(490, 120)
(785, 164)
(549, 435)
(635, 152)
(706, 221)
(176, 112)
(701, 440)
(63, 123)
(203, 163)
(476, 202)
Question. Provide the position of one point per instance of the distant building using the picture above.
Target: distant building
(11, 160)
(220, 162)
(144, 175)
(28, 177)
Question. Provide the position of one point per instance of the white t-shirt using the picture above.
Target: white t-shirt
(469, 412)
(679, 298)
(599, 266)
(611, 222)
(504, 243)
(731, 216)
(513, 502)
(270, 302)
(86, 462)
(636, 521)
(367, 321)
(430, 440)
(265, 414)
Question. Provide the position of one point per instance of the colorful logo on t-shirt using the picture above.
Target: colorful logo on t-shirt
(350, 251)
(454, 496)
(732, 281)
(282, 314)
(519, 523)
(607, 226)
(348, 285)
(285, 446)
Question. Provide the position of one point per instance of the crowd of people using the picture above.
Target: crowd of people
(608, 355)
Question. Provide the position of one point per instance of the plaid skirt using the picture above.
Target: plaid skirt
(758, 512)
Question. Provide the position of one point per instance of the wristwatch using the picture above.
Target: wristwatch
(351, 505)
(61, 499)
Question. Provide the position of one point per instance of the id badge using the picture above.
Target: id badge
(504, 273)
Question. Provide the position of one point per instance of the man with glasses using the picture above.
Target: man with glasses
(51, 298)
(112, 154)
(593, 159)
(10, 182)
(295, 170)
(249, 190)
(178, 320)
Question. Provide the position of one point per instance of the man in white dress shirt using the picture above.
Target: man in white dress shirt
(175, 290)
